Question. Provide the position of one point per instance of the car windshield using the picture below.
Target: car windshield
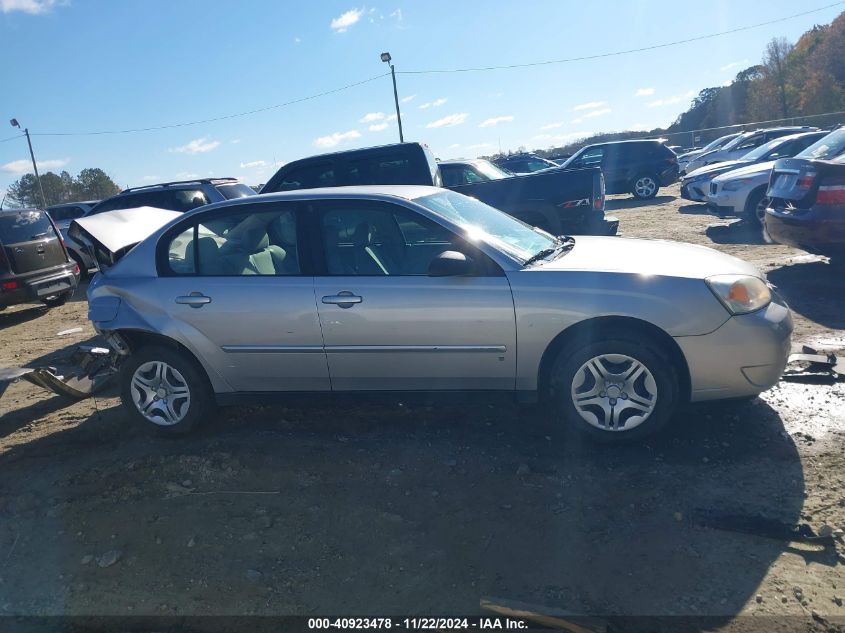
(491, 171)
(24, 226)
(736, 141)
(760, 152)
(722, 140)
(237, 190)
(482, 222)
(826, 147)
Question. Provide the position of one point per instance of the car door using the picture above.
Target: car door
(614, 168)
(236, 284)
(387, 324)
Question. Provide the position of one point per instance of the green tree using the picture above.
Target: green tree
(95, 184)
(90, 184)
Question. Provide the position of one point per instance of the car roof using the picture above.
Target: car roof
(28, 209)
(628, 141)
(462, 161)
(385, 192)
(182, 184)
(72, 204)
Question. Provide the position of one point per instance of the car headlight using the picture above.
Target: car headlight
(740, 294)
(736, 185)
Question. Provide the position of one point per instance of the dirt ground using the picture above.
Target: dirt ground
(401, 508)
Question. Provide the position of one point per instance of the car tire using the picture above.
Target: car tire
(645, 186)
(755, 206)
(165, 391)
(55, 302)
(581, 371)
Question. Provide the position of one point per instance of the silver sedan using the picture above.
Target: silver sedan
(407, 288)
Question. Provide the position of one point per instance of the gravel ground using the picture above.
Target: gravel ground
(398, 508)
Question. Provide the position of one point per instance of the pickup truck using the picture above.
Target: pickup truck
(558, 201)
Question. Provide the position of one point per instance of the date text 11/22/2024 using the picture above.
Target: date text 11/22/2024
(418, 623)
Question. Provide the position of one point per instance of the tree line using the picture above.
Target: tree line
(90, 184)
(792, 81)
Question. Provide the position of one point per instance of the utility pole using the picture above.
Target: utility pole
(385, 57)
(15, 123)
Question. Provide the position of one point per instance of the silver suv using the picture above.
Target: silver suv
(413, 288)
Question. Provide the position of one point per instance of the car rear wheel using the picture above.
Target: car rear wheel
(645, 187)
(615, 390)
(755, 206)
(165, 391)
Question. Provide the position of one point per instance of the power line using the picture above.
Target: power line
(11, 138)
(617, 53)
(212, 120)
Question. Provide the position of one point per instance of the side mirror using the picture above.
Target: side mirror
(450, 264)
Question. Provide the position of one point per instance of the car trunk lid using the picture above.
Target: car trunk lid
(799, 183)
(29, 242)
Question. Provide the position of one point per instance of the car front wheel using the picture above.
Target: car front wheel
(755, 206)
(615, 390)
(164, 390)
(645, 187)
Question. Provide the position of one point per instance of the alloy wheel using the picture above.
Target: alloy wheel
(645, 187)
(160, 393)
(614, 392)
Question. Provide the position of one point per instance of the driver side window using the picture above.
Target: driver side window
(363, 238)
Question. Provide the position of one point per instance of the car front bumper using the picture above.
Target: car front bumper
(743, 357)
(819, 229)
(38, 286)
(695, 191)
(727, 202)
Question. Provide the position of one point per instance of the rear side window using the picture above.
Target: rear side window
(385, 169)
(308, 176)
(65, 213)
(238, 190)
(24, 226)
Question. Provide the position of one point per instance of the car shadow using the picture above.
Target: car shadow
(9, 317)
(695, 208)
(735, 231)
(393, 507)
(616, 204)
(807, 288)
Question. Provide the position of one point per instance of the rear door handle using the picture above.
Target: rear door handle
(344, 299)
(195, 299)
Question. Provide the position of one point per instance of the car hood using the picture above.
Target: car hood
(111, 232)
(647, 257)
(715, 170)
(755, 169)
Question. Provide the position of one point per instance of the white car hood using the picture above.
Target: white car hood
(116, 230)
(647, 257)
(703, 171)
(757, 169)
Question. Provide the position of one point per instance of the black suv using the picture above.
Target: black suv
(181, 195)
(34, 265)
(524, 163)
(639, 167)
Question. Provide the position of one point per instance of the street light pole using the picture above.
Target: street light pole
(15, 123)
(385, 57)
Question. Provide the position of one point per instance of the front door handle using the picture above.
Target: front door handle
(195, 300)
(344, 299)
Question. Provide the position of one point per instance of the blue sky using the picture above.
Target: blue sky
(86, 65)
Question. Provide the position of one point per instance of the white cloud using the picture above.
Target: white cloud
(454, 146)
(595, 113)
(341, 23)
(253, 164)
(33, 7)
(197, 146)
(449, 121)
(589, 106)
(24, 165)
(672, 100)
(496, 120)
(551, 126)
(408, 98)
(235, 141)
(433, 104)
(297, 40)
(337, 137)
(733, 65)
(378, 127)
(397, 14)
(644, 92)
(371, 116)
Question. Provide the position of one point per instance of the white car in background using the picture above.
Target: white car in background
(743, 144)
(743, 191)
(685, 158)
